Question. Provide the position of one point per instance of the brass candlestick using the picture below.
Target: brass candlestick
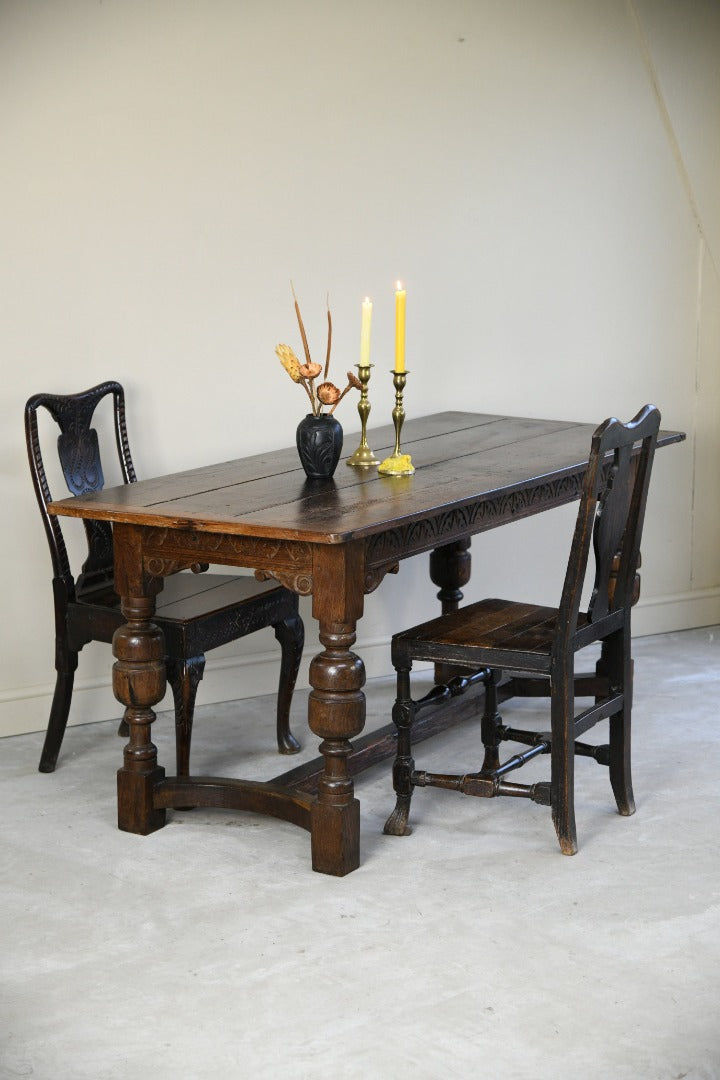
(363, 456)
(398, 464)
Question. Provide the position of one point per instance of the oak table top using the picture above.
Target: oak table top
(458, 457)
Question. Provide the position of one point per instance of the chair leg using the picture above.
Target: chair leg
(562, 702)
(491, 723)
(184, 677)
(403, 766)
(290, 634)
(59, 711)
(620, 670)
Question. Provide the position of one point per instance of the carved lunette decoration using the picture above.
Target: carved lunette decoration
(386, 548)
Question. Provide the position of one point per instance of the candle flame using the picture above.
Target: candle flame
(398, 286)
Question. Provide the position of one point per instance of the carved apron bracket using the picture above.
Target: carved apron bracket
(158, 567)
(375, 575)
(298, 582)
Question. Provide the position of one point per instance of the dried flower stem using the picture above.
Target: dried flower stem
(310, 391)
(303, 335)
(327, 357)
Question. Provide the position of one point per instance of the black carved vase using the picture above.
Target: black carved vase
(319, 443)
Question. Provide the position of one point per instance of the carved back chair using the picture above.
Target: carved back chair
(527, 640)
(196, 611)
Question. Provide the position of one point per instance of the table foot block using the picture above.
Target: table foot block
(137, 812)
(335, 838)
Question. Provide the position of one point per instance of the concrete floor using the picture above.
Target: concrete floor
(470, 948)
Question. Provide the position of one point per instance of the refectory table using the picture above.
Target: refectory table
(334, 540)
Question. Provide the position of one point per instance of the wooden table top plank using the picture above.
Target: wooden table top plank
(459, 458)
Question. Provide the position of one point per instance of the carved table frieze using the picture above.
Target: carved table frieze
(487, 513)
(168, 549)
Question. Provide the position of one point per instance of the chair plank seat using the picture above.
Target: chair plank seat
(190, 596)
(194, 596)
(196, 612)
(515, 630)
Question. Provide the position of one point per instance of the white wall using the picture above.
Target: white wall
(541, 175)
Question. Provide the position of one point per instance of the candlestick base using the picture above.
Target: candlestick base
(397, 465)
(363, 458)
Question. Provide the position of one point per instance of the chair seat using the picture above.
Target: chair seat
(499, 633)
(190, 596)
(189, 603)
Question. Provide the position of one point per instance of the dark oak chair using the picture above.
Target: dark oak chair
(540, 643)
(196, 611)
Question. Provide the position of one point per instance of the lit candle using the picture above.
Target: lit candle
(365, 332)
(399, 328)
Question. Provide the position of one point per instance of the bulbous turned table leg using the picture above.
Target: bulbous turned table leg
(336, 713)
(139, 683)
(450, 570)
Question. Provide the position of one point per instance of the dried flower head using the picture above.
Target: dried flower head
(289, 361)
(310, 371)
(328, 393)
(354, 381)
